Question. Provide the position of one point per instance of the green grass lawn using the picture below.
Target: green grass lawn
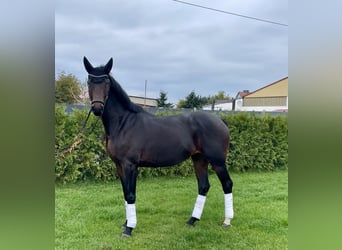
(90, 215)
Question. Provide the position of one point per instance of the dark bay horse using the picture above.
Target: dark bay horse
(136, 138)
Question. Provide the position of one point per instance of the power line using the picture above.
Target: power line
(231, 13)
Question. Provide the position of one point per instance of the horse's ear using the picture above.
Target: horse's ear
(88, 65)
(109, 65)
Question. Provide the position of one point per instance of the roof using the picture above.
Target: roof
(142, 101)
(267, 86)
(242, 94)
(141, 97)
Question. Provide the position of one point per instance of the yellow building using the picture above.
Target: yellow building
(273, 97)
(144, 102)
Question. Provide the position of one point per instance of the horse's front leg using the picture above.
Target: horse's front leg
(128, 175)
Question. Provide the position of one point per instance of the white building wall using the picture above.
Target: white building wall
(238, 105)
(264, 108)
(221, 106)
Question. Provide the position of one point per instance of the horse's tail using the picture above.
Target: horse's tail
(229, 142)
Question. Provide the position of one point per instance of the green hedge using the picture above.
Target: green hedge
(257, 143)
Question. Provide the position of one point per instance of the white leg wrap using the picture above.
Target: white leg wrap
(199, 205)
(228, 206)
(131, 215)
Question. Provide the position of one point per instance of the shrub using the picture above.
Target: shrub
(85, 158)
(257, 143)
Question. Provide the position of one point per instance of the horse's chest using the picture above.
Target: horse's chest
(116, 149)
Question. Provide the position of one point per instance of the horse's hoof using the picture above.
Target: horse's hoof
(226, 223)
(191, 221)
(127, 233)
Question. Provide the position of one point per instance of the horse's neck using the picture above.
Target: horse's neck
(118, 109)
(113, 115)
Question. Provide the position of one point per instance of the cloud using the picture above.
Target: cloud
(176, 48)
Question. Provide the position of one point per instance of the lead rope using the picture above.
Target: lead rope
(77, 140)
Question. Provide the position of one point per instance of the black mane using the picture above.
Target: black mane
(119, 93)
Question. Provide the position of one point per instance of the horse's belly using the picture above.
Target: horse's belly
(162, 156)
(162, 162)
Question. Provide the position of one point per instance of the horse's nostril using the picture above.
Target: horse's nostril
(97, 110)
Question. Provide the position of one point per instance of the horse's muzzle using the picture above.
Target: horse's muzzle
(97, 107)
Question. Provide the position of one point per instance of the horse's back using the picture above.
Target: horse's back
(163, 140)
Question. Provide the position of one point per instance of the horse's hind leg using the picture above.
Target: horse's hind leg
(227, 186)
(201, 170)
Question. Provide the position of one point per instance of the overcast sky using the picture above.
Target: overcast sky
(177, 48)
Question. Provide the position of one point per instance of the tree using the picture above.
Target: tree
(67, 88)
(221, 95)
(192, 101)
(161, 101)
(180, 104)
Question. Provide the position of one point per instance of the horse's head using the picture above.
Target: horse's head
(98, 85)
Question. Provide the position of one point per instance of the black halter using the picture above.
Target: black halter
(97, 101)
(98, 80)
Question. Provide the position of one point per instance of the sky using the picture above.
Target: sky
(176, 48)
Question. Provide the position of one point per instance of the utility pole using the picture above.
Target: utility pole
(145, 94)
